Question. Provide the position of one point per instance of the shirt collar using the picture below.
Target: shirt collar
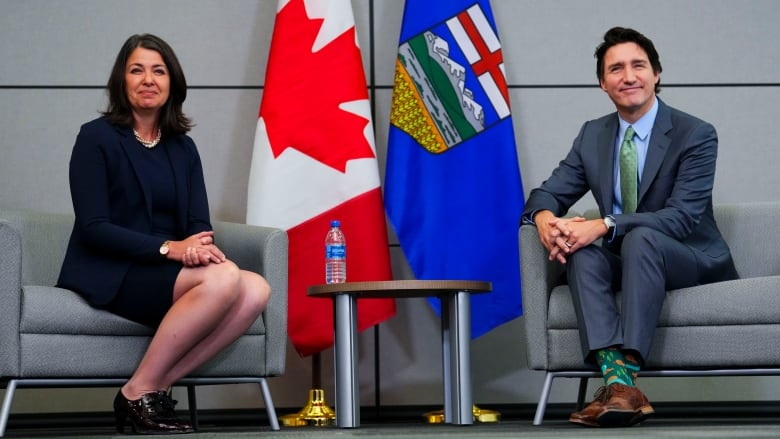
(643, 126)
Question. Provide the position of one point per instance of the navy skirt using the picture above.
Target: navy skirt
(146, 294)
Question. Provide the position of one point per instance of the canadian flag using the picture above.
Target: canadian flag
(314, 161)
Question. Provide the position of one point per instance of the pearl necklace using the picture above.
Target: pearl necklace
(148, 143)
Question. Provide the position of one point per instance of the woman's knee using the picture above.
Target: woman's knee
(228, 272)
(223, 280)
(255, 289)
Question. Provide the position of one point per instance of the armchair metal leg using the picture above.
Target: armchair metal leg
(9, 397)
(189, 383)
(269, 404)
(192, 402)
(581, 393)
(542, 405)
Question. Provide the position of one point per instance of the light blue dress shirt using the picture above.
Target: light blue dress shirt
(643, 127)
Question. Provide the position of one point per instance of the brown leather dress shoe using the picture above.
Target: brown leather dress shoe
(625, 406)
(589, 415)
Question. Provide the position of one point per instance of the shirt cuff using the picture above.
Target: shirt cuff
(529, 219)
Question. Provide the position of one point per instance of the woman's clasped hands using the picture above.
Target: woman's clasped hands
(196, 250)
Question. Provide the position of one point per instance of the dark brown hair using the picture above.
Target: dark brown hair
(172, 119)
(619, 35)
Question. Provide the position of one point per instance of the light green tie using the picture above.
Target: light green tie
(628, 172)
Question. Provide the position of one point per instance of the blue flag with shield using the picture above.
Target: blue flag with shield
(453, 191)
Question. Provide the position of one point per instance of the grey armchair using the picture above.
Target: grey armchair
(50, 337)
(721, 329)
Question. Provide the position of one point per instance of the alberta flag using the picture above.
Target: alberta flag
(314, 160)
(452, 189)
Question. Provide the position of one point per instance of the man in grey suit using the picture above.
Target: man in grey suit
(651, 169)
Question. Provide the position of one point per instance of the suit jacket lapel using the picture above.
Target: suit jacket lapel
(656, 150)
(606, 157)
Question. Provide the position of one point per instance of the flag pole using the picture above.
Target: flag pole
(316, 412)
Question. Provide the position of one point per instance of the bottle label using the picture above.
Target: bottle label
(336, 251)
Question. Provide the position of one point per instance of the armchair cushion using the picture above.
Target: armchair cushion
(49, 333)
(732, 324)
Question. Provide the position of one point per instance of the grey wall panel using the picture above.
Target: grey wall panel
(75, 42)
(747, 153)
(552, 42)
(39, 128)
(548, 48)
(699, 41)
(225, 131)
(388, 26)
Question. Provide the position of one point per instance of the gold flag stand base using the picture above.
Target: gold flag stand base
(315, 413)
(480, 415)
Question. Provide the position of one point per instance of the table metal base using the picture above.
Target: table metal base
(456, 359)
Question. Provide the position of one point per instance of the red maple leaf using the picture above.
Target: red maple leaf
(303, 91)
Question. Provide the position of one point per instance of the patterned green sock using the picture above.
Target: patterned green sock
(632, 365)
(613, 367)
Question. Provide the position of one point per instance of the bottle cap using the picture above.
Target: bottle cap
(335, 223)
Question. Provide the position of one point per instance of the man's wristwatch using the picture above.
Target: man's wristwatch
(609, 221)
(164, 248)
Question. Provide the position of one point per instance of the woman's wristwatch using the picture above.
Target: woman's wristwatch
(164, 248)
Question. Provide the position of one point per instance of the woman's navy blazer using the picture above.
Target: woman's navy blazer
(113, 207)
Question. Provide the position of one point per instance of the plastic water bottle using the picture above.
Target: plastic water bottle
(335, 254)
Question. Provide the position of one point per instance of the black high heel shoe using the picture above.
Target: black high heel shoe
(153, 413)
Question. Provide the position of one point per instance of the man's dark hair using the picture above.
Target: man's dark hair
(619, 35)
(172, 119)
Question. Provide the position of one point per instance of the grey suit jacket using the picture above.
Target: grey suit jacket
(675, 196)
